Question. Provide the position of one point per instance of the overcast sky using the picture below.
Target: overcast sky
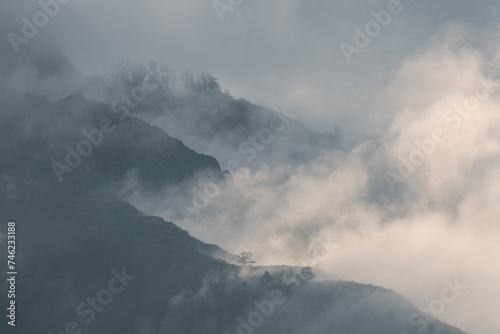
(273, 53)
(430, 56)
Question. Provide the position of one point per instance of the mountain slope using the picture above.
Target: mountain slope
(69, 249)
(213, 122)
(78, 146)
(195, 111)
(87, 262)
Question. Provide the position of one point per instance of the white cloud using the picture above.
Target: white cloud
(441, 223)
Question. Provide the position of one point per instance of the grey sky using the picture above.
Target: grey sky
(430, 56)
(269, 52)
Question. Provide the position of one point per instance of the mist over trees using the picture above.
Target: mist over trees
(187, 84)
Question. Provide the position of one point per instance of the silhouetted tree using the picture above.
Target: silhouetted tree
(267, 280)
(306, 274)
(211, 83)
(246, 259)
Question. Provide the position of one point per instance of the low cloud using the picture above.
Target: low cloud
(440, 223)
